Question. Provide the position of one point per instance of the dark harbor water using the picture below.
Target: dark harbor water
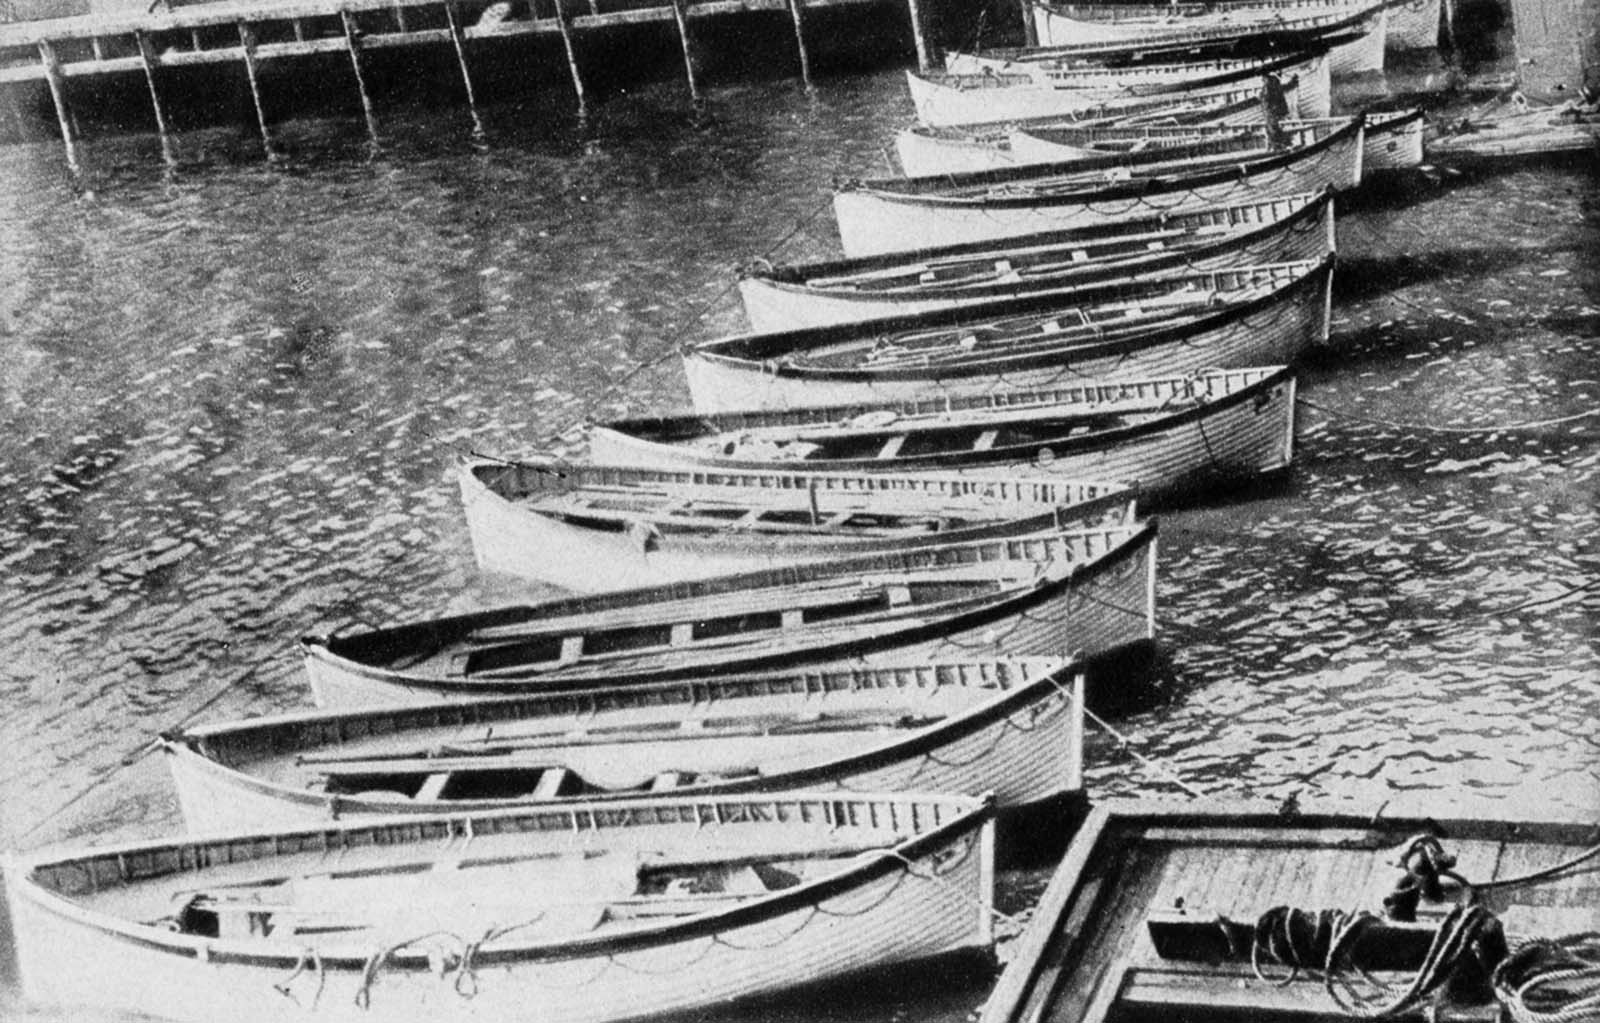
(230, 400)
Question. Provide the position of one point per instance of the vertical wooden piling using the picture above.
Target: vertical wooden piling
(1030, 31)
(147, 57)
(681, 15)
(247, 41)
(795, 8)
(352, 43)
(452, 12)
(924, 60)
(572, 57)
(58, 93)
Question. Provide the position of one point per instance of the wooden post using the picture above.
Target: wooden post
(572, 57)
(681, 15)
(924, 61)
(247, 40)
(147, 56)
(353, 44)
(795, 8)
(453, 13)
(58, 93)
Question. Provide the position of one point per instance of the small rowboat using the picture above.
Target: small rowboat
(1181, 323)
(569, 914)
(854, 290)
(1223, 912)
(594, 528)
(923, 151)
(1086, 591)
(875, 216)
(1010, 727)
(1154, 24)
(1392, 140)
(1309, 69)
(989, 96)
(1171, 435)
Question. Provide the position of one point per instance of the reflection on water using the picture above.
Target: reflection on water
(232, 398)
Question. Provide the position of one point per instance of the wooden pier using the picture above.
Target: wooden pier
(246, 34)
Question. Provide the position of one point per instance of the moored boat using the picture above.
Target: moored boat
(1182, 323)
(1247, 912)
(579, 914)
(895, 284)
(1392, 140)
(1152, 24)
(1012, 727)
(987, 97)
(922, 150)
(1309, 68)
(593, 528)
(1172, 436)
(1071, 592)
(879, 215)
(1161, 151)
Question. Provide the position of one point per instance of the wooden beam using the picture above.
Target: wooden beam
(924, 58)
(680, 15)
(353, 44)
(795, 9)
(58, 93)
(572, 57)
(452, 13)
(247, 40)
(147, 57)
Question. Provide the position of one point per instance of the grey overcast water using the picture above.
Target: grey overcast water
(230, 399)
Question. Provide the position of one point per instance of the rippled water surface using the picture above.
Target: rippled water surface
(230, 400)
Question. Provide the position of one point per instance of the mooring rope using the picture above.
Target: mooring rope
(1127, 745)
(1551, 980)
(1323, 943)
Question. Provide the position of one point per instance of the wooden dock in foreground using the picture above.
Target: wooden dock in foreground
(245, 34)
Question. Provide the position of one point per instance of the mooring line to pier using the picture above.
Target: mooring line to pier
(1539, 424)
